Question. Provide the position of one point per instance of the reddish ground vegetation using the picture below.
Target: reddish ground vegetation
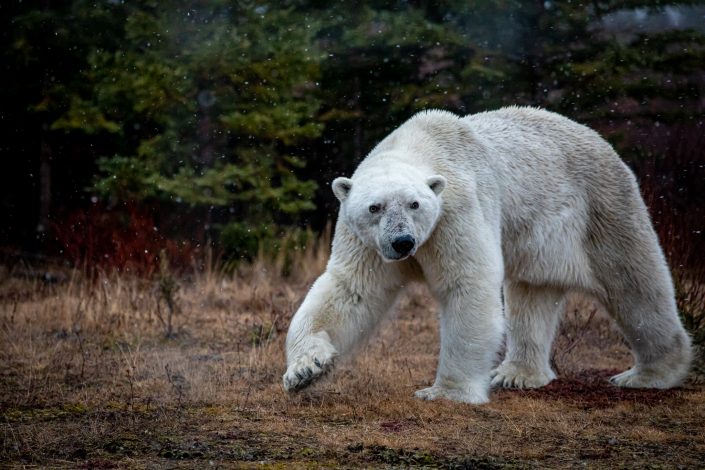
(124, 239)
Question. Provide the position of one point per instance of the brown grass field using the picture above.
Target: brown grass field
(89, 380)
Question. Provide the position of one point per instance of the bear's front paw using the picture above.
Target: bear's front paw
(518, 375)
(474, 397)
(311, 366)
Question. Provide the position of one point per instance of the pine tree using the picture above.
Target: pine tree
(210, 105)
(43, 54)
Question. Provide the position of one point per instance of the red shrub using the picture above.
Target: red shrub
(125, 239)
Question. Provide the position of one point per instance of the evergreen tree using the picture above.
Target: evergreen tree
(214, 113)
(209, 105)
(43, 55)
(571, 63)
(382, 63)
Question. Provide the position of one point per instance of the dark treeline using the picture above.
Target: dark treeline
(129, 127)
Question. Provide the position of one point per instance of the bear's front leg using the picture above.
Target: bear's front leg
(471, 333)
(331, 320)
(315, 360)
(309, 350)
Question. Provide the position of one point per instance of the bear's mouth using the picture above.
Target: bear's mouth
(394, 257)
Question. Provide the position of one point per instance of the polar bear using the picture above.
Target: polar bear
(519, 202)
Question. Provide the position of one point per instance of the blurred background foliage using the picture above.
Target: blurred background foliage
(131, 127)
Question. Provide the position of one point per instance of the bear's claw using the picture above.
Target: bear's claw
(634, 378)
(521, 376)
(310, 367)
(295, 380)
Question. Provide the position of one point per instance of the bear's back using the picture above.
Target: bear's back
(534, 142)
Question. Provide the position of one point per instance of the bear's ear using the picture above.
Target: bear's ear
(437, 183)
(341, 187)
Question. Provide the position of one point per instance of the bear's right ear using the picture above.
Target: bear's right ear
(341, 187)
(437, 184)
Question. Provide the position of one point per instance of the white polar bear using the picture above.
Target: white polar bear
(520, 201)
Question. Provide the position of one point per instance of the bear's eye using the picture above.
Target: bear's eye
(374, 208)
(414, 205)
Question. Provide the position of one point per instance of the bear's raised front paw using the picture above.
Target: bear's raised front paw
(474, 397)
(311, 366)
(517, 375)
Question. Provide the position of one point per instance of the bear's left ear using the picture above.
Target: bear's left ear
(341, 187)
(437, 183)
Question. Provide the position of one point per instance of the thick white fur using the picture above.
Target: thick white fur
(520, 200)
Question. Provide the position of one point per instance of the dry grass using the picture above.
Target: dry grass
(89, 379)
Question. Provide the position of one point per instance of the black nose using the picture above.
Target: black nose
(404, 244)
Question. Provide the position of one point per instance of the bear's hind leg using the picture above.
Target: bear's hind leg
(659, 343)
(533, 313)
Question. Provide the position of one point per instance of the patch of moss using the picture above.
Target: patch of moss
(246, 453)
(307, 452)
(23, 415)
(175, 449)
(125, 444)
(423, 458)
(399, 456)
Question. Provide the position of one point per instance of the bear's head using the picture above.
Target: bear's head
(392, 213)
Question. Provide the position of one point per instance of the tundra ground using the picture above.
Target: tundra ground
(89, 379)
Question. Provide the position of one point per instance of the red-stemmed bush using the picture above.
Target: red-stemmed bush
(124, 239)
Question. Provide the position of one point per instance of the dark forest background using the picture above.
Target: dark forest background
(129, 128)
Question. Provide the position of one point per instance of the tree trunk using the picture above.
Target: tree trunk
(44, 188)
(357, 136)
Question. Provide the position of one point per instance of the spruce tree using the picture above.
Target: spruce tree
(210, 105)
